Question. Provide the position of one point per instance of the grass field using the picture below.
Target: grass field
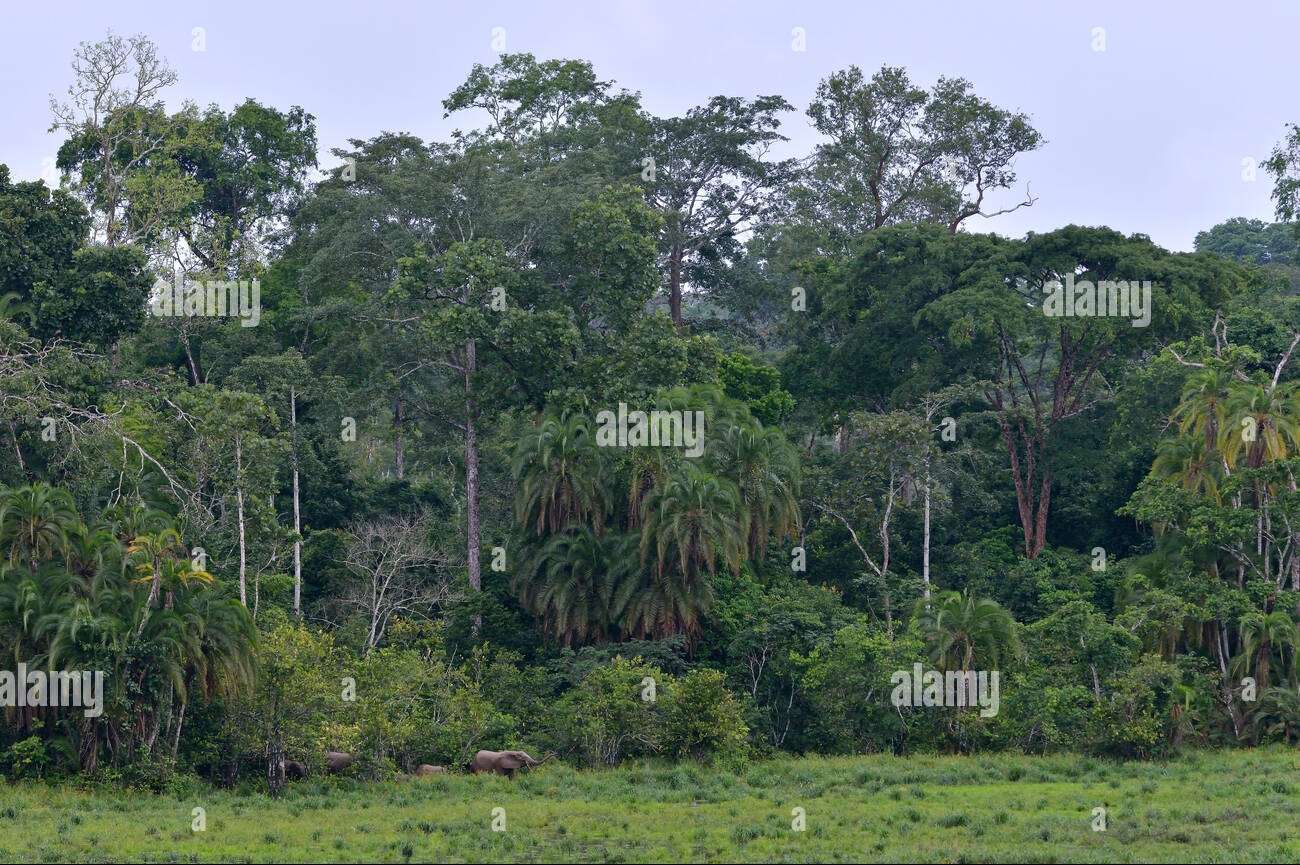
(1206, 807)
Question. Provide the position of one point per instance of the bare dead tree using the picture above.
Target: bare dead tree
(114, 80)
(399, 571)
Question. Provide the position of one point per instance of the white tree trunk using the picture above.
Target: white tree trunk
(239, 499)
(925, 540)
(297, 516)
(471, 471)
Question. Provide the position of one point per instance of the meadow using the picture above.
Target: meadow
(1231, 806)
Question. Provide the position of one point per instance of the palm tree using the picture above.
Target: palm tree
(26, 599)
(1265, 638)
(154, 658)
(1272, 433)
(1278, 713)
(1186, 460)
(765, 469)
(159, 556)
(662, 604)
(558, 471)
(36, 522)
(720, 411)
(577, 584)
(83, 608)
(960, 630)
(128, 520)
(89, 549)
(225, 639)
(1188, 713)
(649, 469)
(693, 522)
(1202, 410)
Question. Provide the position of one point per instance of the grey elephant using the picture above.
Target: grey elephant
(337, 761)
(425, 769)
(293, 770)
(502, 762)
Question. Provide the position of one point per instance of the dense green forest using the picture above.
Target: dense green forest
(610, 436)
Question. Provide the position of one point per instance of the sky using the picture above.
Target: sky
(1156, 133)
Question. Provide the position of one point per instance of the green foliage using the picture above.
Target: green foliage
(959, 148)
(627, 708)
(758, 386)
(26, 758)
(1134, 719)
(965, 632)
(87, 293)
(892, 423)
(81, 598)
(702, 719)
(607, 717)
(848, 681)
(1251, 240)
(287, 714)
(1284, 165)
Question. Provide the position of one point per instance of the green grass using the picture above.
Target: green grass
(1205, 807)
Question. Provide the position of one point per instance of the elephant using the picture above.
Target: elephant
(502, 762)
(293, 770)
(337, 761)
(424, 769)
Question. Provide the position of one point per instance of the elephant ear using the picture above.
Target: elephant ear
(511, 760)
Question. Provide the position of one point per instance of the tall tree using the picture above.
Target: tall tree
(74, 289)
(1284, 165)
(110, 118)
(896, 153)
(484, 354)
(966, 308)
(711, 179)
(285, 384)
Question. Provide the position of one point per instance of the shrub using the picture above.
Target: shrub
(702, 719)
(606, 719)
(1134, 719)
(27, 758)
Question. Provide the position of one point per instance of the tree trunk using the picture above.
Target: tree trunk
(885, 537)
(180, 722)
(1033, 514)
(111, 194)
(1040, 521)
(471, 475)
(399, 445)
(196, 378)
(925, 536)
(297, 514)
(239, 499)
(675, 284)
(155, 586)
(275, 769)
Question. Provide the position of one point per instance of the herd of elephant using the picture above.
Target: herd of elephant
(498, 762)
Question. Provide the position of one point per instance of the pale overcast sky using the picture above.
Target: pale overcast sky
(1149, 135)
